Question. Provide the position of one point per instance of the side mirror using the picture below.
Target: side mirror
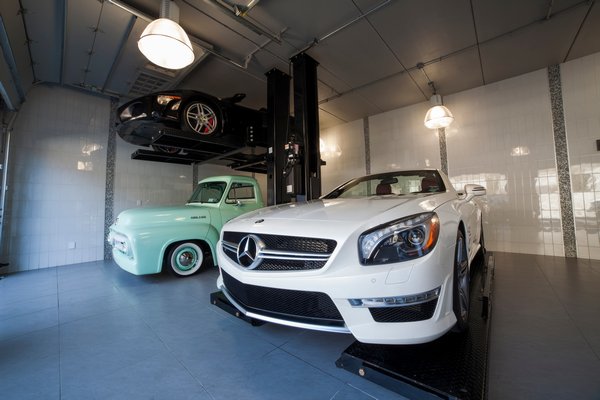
(473, 190)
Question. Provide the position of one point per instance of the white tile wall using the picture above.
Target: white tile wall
(56, 179)
(343, 149)
(581, 101)
(148, 183)
(399, 140)
(502, 138)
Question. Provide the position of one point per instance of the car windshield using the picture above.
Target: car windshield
(392, 183)
(208, 192)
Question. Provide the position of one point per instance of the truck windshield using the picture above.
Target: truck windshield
(208, 192)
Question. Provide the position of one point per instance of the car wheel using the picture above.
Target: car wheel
(165, 149)
(482, 241)
(185, 259)
(461, 285)
(201, 118)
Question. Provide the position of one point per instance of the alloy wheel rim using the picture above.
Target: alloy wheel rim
(201, 118)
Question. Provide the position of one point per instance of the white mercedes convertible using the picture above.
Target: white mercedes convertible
(385, 257)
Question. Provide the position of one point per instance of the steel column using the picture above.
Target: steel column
(278, 106)
(306, 122)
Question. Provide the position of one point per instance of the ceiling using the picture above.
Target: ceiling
(373, 55)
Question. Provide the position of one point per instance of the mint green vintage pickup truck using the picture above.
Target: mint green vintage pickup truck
(181, 238)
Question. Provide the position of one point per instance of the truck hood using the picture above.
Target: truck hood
(320, 216)
(162, 215)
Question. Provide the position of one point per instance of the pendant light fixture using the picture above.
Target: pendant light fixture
(164, 42)
(438, 116)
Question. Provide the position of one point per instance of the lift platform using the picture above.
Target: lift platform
(242, 154)
(451, 367)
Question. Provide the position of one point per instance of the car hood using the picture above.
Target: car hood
(147, 216)
(319, 216)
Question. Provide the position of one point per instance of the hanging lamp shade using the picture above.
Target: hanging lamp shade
(438, 116)
(166, 44)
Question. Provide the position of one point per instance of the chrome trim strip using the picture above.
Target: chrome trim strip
(288, 255)
(281, 254)
(229, 246)
(385, 305)
(294, 324)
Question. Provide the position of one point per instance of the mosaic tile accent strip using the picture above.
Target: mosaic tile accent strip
(562, 161)
(367, 145)
(109, 191)
(194, 176)
(443, 150)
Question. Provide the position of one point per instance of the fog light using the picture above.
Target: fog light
(396, 301)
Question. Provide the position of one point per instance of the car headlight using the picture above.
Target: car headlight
(133, 111)
(164, 99)
(399, 240)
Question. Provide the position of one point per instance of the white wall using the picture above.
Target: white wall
(56, 179)
(502, 138)
(344, 152)
(399, 140)
(148, 183)
(581, 100)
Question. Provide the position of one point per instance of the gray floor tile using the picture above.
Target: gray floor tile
(160, 376)
(27, 323)
(10, 309)
(29, 366)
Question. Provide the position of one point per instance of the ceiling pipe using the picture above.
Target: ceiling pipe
(9, 58)
(131, 10)
(355, 20)
(240, 15)
(241, 10)
(316, 41)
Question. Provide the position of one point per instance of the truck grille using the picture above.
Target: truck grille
(292, 305)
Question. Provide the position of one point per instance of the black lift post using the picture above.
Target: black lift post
(306, 122)
(278, 108)
(451, 367)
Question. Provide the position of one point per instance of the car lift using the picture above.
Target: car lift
(287, 150)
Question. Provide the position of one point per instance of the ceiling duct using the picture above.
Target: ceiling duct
(152, 78)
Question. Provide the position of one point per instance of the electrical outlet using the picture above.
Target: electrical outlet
(71, 245)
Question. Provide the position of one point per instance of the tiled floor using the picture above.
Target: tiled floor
(92, 331)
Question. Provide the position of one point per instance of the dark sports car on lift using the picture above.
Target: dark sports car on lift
(190, 111)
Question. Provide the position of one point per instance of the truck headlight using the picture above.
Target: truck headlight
(399, 240)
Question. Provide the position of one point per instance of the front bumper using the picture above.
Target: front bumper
(136, 261)
(342, 282)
